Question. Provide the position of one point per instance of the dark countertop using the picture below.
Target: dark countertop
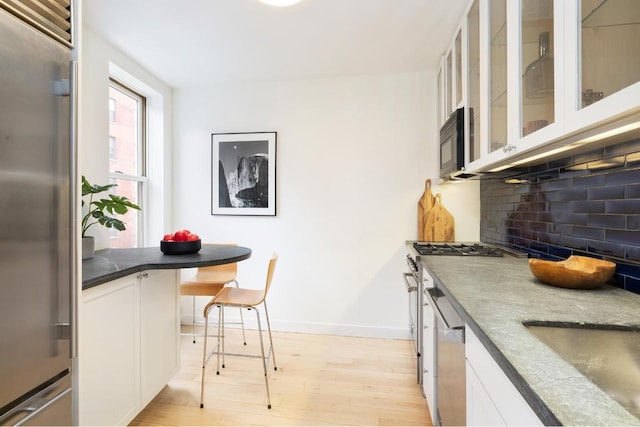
(111, 264)
(495, 295)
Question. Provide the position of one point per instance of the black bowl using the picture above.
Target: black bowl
(180, 248)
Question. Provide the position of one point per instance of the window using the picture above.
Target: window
(112, 110)
(127, 154)
(112, 148)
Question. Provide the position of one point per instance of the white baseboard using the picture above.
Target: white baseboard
(312, 327)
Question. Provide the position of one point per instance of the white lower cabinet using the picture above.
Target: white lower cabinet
(492, 399)
(480, 408)
(159, 332)
(107, 356)
(428, 359)
(428, 350)
(128, 345)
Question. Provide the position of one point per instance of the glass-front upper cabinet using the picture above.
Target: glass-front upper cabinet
(488, 89)
(610, 45)
(537, 56)
(453, 80)
(518, 77)
(548, 74)
(603, 61)
(440, 95)
(497, 75)
(448, 100)
(450, 92)
(458, 56)
(473, 81)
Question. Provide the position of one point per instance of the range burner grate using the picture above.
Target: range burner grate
(475, 249)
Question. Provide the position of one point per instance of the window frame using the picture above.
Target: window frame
(141, 179)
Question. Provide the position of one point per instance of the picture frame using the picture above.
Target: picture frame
(243, 173)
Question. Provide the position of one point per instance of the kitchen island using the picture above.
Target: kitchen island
(129, 327)
(496, 295)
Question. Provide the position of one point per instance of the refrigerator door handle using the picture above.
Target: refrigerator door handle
(32, 407)
(74, 202)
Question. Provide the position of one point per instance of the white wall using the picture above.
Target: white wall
(98, 61)
(352, 157)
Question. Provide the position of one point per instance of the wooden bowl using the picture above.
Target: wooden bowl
(576, 272)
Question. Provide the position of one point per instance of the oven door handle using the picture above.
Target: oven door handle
(451, 334)
(410, 288)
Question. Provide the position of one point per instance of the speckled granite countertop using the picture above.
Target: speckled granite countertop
(111, 264)
(495, 295)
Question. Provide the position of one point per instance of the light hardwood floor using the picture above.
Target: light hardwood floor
(321, 380)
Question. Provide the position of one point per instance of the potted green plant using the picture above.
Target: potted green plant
(101, 211)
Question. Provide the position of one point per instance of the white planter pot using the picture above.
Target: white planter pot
(88, 247)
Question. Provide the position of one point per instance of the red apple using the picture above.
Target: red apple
(181, 235)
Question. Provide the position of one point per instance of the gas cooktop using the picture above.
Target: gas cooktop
(464, 249)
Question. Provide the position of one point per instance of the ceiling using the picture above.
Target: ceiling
(189, 43)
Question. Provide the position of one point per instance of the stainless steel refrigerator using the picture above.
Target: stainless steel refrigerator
(36, 233)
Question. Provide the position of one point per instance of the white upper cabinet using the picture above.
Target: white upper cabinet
(603, 64)
(537, 95)
(440, 95)
(494, 86)
(537, 32)
(472, 115)
(519, 80)
(541, 75)
(451, 79)
(448, 101)
(458, 67)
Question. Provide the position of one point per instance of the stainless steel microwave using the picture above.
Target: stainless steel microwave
(452, 144)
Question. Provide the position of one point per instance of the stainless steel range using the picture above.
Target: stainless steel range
(414, 280)
(449, 327)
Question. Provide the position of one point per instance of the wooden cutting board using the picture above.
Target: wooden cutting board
(439, 225)
(424, 206)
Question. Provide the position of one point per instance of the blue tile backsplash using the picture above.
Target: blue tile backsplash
(587, 204)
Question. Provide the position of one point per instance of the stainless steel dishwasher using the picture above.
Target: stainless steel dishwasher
(450, 361)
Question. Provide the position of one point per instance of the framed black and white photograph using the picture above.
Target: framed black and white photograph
(243, 173)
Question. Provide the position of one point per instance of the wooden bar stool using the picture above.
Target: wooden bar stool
(241, 298)
(209, 281)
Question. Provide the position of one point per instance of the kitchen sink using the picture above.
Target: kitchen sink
(608, 355)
